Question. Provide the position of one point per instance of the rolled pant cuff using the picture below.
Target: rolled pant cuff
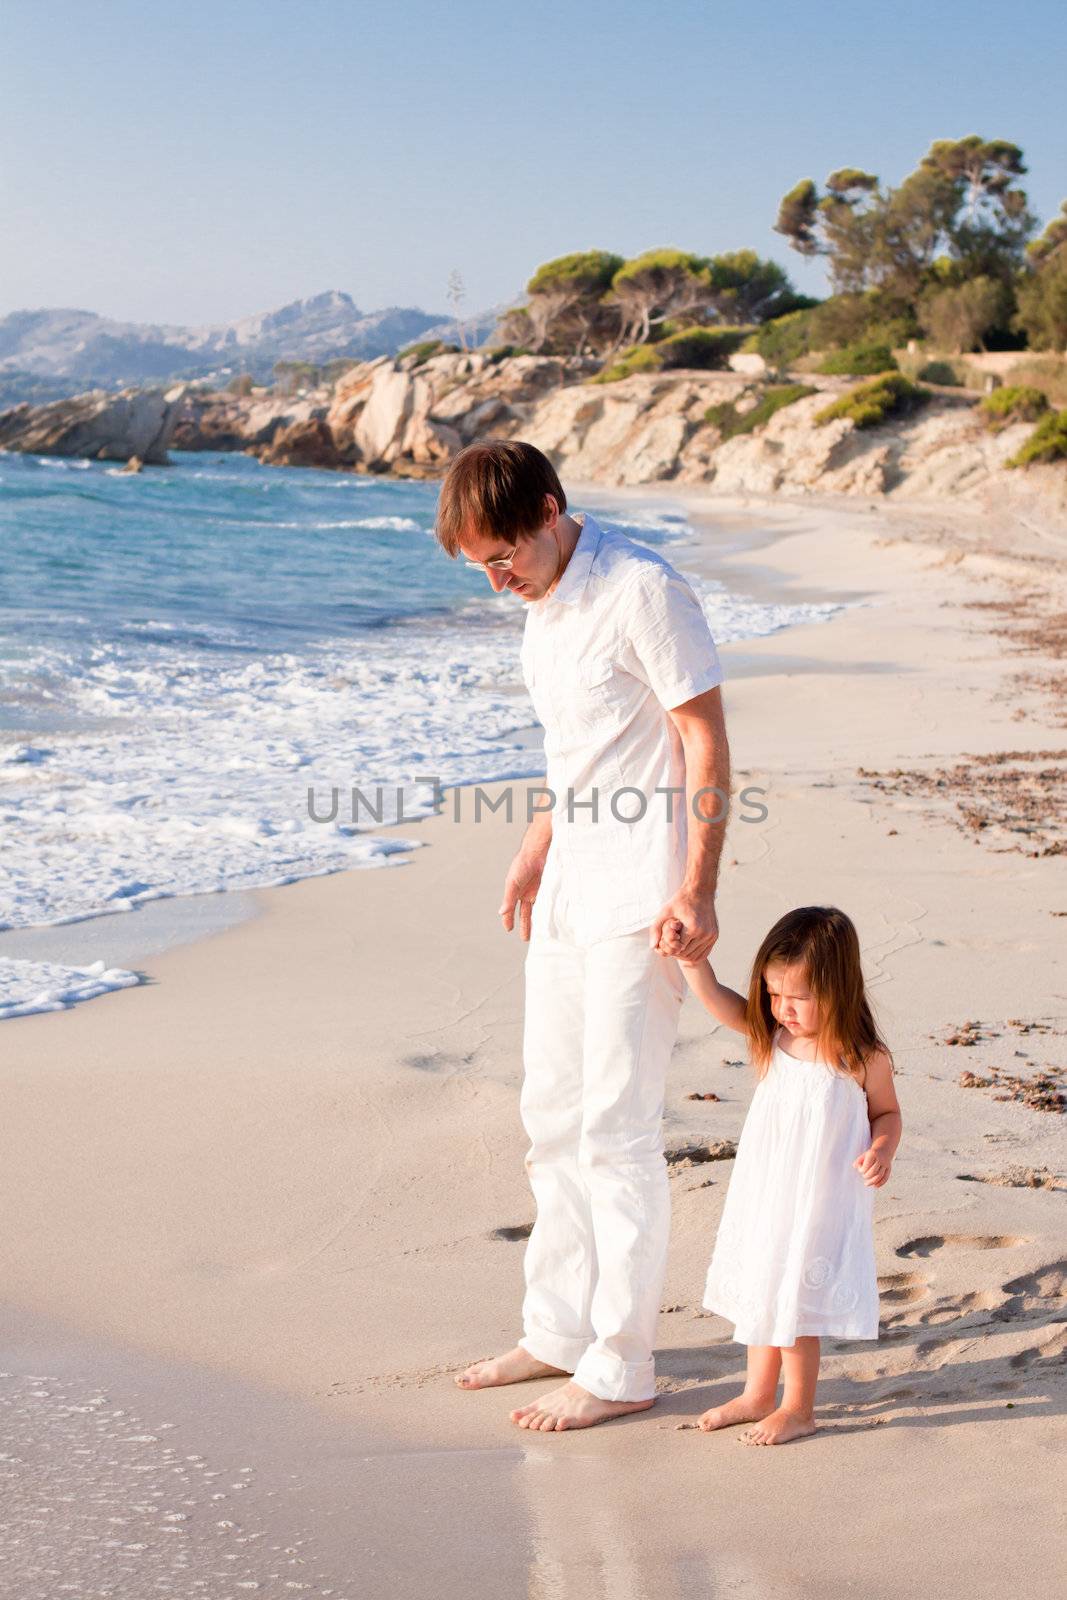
(553, 1349)
(609, 1379)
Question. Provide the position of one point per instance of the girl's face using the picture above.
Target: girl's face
(792, 1002)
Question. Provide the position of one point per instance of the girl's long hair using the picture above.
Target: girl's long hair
(824, 943)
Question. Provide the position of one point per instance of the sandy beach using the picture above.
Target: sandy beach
(273, 1198)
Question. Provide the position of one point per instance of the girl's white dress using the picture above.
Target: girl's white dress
(794, 1254)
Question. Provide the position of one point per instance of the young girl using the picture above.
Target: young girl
(794, 1256)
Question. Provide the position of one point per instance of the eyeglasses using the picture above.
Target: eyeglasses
(495, 563)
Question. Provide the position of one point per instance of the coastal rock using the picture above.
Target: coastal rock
(378, 428)
(302, 444)
(220, 420)
(406, 416)
(99, 426)
(409, 417)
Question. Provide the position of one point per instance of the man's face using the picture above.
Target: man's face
(536, 558)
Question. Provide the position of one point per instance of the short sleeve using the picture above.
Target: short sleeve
(669, 643)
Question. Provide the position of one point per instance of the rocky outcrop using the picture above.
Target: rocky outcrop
(98, 425)
(409, 418)
(218, 420)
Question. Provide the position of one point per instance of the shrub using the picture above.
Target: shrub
(1043, 303)
(844, 321)
(958, 318)
(639, 358)
(783, 340)
(706, 348)
(942, 372)
(1013, 402)
(1048, 442)
(730, 422)
(1046, 372)
(428, 347)
(891, 395)
(861, 319)
(859, 360)
(504, 352)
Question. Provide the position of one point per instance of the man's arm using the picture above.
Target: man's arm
(524, 874)
(702, 729)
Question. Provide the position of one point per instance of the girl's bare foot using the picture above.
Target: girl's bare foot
(779, 1427)
(515, 1367)
(571, 1406)
(745, 1408)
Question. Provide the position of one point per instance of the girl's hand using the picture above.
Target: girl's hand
(671, 940)
(873, 1168)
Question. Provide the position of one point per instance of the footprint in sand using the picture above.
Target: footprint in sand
(1054, 1348)
(521, 1230)
(1047, 1283)
(931, 1244)
(901, 1288)
(905, 1289)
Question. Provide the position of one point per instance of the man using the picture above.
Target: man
(624, 676)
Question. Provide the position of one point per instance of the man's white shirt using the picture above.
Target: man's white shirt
(621, 640)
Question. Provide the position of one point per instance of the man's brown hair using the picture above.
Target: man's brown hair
(496, 488)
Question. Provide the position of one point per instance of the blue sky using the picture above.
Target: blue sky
(212, 160)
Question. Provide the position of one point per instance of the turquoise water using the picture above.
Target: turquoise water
(189, 652)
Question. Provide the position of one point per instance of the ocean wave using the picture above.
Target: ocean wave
(733, 617)
(168, 746)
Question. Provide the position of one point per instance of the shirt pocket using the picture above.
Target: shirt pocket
(605, 692)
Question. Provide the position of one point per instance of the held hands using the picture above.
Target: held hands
(874, 1168)
(520, 889)
(686, 929)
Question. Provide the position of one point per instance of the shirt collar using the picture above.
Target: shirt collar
(572, 584)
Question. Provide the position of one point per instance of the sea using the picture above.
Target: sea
(194, 657)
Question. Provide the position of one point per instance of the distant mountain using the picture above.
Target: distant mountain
(73, 350)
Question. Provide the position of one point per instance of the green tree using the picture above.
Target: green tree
(1052, 240)
(957, 318)
(1042, 287)
(961, 201)
(566, 305)
(515, 327)
(993, 220)
(1043, 304)
(657, 286)
(745, 288)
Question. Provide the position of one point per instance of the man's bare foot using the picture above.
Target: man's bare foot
(744, 1408)
(571, 1406)
(515, 1367)
(779, 1427)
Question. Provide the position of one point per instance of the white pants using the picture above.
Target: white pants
(600, 1025)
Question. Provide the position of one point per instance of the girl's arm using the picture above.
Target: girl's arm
(883, 1111)
(725, 1005)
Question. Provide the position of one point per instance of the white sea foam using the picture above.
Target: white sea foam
(199, 779)
(30, 986)
(733, 617)
(395, 524)
(390, 524)
(189, 769)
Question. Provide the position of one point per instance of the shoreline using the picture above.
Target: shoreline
(128, 939)
(293, 1158)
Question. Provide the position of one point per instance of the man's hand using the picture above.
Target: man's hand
(520, 888)
(699, 928)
